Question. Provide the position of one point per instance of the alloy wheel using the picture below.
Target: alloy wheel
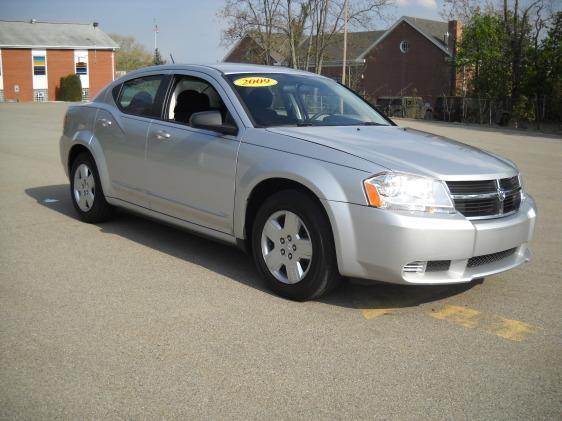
(286, 247)
(84, 187)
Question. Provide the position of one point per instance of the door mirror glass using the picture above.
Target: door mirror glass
(211, 120)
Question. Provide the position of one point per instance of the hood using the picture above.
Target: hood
(407, 150)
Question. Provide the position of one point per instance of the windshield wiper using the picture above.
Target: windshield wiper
(371, 123)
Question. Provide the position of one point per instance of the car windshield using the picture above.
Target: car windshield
(277, 99)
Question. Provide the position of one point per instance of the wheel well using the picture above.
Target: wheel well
(74, 152)
(262, 192)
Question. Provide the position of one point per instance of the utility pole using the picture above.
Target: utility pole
(343, 72)
(155, 35)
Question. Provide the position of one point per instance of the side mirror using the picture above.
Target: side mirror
(211, 120)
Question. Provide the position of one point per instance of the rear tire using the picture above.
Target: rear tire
(293, 246)
(86, 191)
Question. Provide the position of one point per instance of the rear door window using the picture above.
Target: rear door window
(143, 96)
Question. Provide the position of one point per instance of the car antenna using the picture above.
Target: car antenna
(172, 58)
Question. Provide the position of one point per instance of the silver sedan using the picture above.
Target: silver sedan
(298, 170)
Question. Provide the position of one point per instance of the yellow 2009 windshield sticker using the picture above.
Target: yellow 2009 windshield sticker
(255, 81)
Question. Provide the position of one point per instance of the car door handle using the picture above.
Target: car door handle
(162, 135)
(104, 122)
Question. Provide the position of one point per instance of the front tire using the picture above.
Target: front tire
(86, 191)
(293, 246)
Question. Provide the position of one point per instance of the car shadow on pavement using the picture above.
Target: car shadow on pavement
(231, 262)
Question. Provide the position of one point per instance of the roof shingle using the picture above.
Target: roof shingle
(53, 35)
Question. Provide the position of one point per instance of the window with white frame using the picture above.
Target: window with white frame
(39, 65)
(81, 66)
(404, 46)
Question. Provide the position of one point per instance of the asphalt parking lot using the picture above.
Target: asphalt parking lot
(132, 319)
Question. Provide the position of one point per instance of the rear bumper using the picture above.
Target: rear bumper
(377, 244)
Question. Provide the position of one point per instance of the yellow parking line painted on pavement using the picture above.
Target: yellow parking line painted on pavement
(371, 313)
(463, 316)
(514, 330)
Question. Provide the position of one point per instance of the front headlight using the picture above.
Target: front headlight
(407, 192)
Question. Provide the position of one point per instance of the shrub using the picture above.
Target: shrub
(70, 88)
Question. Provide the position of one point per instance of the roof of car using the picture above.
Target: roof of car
(225, 68)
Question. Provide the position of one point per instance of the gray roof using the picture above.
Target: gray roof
(432, 28)
(53, 35)
(357, 43)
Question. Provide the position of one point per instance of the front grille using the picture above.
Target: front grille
(486, 198)
(512, 201)
(509, 183)
(471, 187)
(480, 207)
(489, 258)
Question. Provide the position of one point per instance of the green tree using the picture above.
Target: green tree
(131, 54)
(482, 52)
(157, 59)
(544, 76)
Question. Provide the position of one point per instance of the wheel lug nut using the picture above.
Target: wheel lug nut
(290, 256)
(283, 251)
(289, 237)
(282, 241)
(294, 247)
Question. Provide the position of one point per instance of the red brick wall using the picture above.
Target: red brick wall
(100, 68)
(247, 51)
(389, 72)
(60, 63)
(17, 70)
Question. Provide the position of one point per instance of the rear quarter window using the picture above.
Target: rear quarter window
(115, 92)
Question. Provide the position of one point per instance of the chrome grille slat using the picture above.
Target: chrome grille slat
(472, 187)
(486, 198)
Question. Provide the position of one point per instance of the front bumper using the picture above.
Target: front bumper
(376, 244)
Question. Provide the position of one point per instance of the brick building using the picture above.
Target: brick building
(413, 57)
(35, 55)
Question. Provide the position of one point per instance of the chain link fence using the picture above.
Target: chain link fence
(538, 112)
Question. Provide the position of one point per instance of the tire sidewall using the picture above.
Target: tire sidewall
(99, 201)
(317, 278)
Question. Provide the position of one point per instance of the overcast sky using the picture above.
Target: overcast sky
(189, 29)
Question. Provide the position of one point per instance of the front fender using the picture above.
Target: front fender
(328, 181)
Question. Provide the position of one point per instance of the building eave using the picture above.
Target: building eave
(61, 47)
(233, 48)
(393, 27)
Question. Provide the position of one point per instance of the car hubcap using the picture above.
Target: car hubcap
(286, 247)
(84, 187)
